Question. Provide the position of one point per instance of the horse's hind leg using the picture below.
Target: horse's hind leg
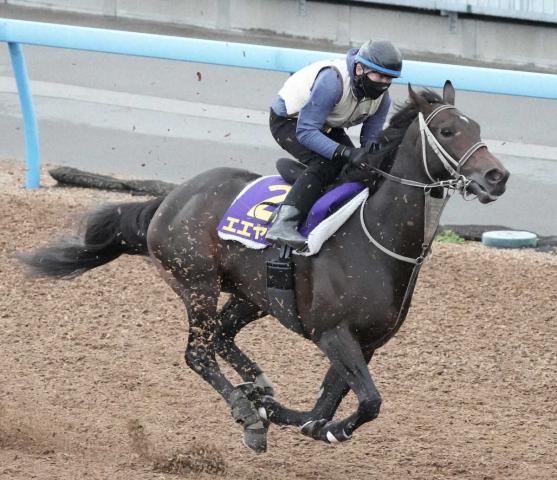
(201, 305)
(235, 315)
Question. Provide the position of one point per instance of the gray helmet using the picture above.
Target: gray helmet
(381, 56)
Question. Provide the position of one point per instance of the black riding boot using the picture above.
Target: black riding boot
(285, 227)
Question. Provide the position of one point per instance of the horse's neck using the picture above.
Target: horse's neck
(395, 213)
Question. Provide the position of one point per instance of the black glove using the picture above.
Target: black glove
(353, 156)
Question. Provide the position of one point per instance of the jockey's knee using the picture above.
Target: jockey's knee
(326, 170)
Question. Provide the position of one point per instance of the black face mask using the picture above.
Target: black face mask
(370, 88)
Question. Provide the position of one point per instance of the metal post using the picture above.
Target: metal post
(453, 22)
(302, 8)
(453, 19)
(28, 112)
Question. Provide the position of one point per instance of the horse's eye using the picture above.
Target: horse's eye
(446, 132)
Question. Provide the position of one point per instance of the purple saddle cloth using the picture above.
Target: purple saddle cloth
(247, 219)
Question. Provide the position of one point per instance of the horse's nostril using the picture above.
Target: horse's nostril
(495, 175)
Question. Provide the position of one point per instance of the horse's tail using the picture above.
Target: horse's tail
(108, 232)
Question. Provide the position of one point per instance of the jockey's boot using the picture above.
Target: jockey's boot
(284, 229)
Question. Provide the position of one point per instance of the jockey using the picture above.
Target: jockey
(310, 113)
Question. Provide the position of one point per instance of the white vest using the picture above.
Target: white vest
(347, 112)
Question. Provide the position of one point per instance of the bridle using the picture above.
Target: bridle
(451, 165)
(433, 207)
(457, 182)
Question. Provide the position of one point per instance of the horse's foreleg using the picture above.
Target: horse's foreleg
(348, 360)
(333, 389)
(235, 315)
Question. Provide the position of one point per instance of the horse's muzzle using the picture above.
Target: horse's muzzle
(489, 186)
(488, 177)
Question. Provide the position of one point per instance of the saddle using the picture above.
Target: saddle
(248, 217)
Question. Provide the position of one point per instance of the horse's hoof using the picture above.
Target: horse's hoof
(314, 429)
(337, 437)
(255, 438)
(329, 432)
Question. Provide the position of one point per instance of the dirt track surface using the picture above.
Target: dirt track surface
(93, 382)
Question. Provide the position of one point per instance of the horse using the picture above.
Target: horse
(351, 297)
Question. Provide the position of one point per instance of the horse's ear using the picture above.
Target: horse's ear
(448, 93)
(421, 103)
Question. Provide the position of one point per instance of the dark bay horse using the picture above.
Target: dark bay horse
(352, 296)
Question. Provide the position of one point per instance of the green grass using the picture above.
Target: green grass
(448, 236)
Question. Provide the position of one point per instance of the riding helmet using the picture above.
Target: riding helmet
(381, 56)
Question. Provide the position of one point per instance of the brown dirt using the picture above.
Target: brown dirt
(93, 383)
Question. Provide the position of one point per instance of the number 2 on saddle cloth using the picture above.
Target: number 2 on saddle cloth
(248, 217)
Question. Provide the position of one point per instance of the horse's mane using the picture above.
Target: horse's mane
(389, 140)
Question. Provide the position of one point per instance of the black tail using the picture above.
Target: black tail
(109, 232)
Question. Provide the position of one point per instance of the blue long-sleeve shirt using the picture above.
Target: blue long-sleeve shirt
(325, 94)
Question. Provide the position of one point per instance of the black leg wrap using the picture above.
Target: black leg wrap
(263, 388)
(244, 410)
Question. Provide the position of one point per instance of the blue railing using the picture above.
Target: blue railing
(16, 32)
